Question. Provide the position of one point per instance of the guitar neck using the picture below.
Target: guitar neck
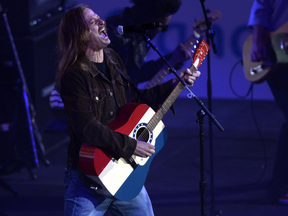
(198, 58)
(167, 104)
(165, 107)
(158, 78)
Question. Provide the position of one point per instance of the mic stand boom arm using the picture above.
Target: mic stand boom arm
(191, 94)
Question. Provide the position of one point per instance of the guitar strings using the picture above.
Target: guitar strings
(144, 134)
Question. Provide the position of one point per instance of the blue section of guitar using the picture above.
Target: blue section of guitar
(134, 183)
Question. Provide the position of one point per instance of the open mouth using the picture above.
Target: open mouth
(103, 33)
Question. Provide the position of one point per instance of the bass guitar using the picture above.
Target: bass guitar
(199, 30)
(124, 178)
(257, 72)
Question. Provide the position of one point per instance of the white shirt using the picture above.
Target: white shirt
(269, 13)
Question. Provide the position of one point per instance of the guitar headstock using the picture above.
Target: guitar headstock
(200, 26)
(199, 55)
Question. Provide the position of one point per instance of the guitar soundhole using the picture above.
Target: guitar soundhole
(142, 134)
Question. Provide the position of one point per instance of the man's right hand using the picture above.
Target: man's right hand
(144, 149)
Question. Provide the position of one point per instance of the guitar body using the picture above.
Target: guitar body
(117, 177)
(258, 72)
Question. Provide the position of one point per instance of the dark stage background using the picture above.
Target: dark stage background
(31, 179)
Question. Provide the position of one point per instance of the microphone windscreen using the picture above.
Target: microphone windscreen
(120, 30)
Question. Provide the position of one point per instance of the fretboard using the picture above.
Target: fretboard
(167, 104)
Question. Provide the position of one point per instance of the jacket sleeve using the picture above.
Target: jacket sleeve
(84, 124)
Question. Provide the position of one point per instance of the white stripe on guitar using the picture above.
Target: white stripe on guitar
(120, 170)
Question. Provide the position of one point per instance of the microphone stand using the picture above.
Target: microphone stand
(210, 39)
(201, 113)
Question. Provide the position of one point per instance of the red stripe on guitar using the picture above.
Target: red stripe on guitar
(120, 124)
(137, 110)
(86, 159)
(101, 159)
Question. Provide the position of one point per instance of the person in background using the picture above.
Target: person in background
(94, 86)
(267, 16)
(133, 48)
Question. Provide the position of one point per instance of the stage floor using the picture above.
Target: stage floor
(242, 157)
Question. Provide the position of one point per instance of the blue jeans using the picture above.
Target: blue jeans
(80, 200)
(278, 185)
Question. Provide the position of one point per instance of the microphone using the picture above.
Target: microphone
(120, 30)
